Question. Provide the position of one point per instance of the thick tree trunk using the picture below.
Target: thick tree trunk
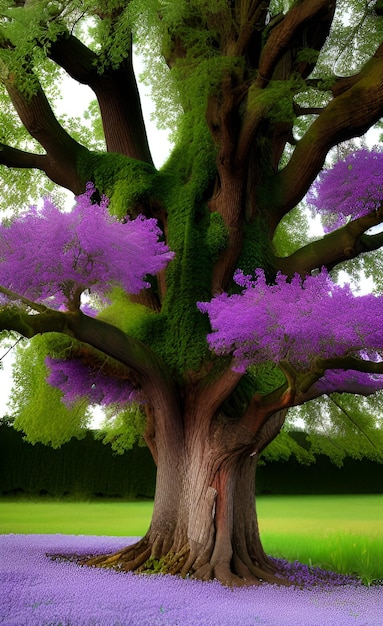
(204, 521)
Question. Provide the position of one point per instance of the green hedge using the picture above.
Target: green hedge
(83, 467)
(322, 477)
(88, 468)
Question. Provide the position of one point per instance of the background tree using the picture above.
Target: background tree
(257, 94)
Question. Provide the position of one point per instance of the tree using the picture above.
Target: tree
(255, 106)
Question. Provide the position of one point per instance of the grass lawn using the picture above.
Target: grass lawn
(342, 533)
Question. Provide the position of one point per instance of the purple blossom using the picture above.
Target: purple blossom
(77, 380)
(351, 188)
(290, 320)
(51, 256)
(39, 591)
(350, 381)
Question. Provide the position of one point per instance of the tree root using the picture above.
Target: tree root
(142, 558)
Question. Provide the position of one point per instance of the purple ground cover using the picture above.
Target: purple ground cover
(39, 591)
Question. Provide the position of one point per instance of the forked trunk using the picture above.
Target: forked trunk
(204, 522)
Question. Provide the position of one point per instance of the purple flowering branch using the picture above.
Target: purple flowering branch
(16, 297)
(52, 257)
(352, 188)
(288, 324)
(76, 379)
(349, 198)
(48, 258)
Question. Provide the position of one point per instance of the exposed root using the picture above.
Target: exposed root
(266, 574)
(128, 559)
(143, 558)
(205, 572)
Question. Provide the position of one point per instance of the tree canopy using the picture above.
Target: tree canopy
(195, 290)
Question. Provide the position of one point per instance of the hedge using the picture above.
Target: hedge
(87, 468)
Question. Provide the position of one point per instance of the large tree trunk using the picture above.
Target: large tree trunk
(204, 521)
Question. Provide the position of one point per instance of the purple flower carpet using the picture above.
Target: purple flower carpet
(40, 591)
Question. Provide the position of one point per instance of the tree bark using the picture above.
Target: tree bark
(204, 522)
(117, 94)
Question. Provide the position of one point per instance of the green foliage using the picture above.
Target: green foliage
(284, 446)
(20, 187)
(122, 429)
(37, 406)
(352, 42)
(292, 232)
(343, 425)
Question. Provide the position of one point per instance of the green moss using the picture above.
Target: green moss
(127, 315)
(267, 377)
(256, 250)
(216, 235)
(126, 182)
(158, 566)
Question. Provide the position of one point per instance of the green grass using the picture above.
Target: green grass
(340, 533)
(75, 518)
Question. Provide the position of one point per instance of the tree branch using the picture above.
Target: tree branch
(349, 114)
(313, 17)
(250, 17)
(301, 111)
(12, 157)
(147, 368)
(117, 94)
(308, 389)
(269, 431)
(349, 363)
(16, 297)
(306, 25)
(261, 408)
(62, 150)
(340, 245)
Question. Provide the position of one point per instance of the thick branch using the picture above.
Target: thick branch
(62, 150)
(308, 387)
(314, 14)
(250, 17)
(16, 297)
(306, 25)
(350, 114)
(150, 372)
(340, 245)
(215, 392)
(12, 157)
(269, 431)
(349, 363)
(261, 408)
(117, 94)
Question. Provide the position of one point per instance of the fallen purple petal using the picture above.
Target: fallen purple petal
(39, 591)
